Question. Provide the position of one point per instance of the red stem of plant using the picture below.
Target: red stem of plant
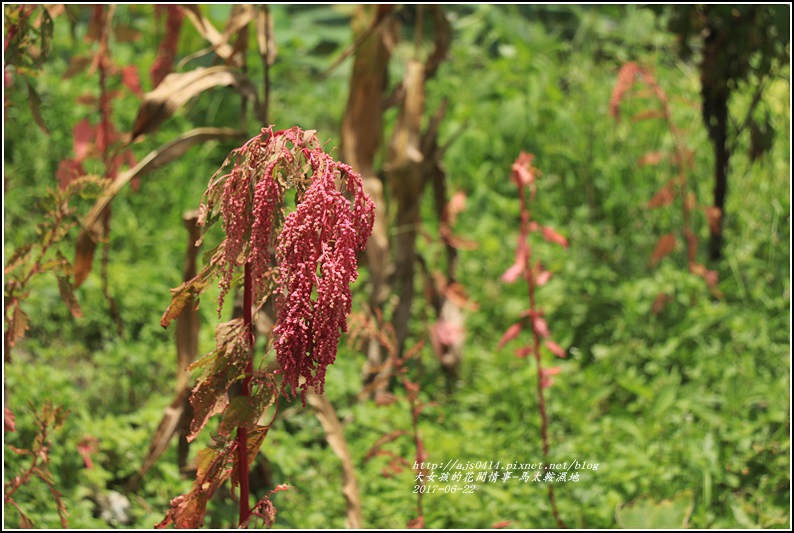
(544, 422)
(242, 433)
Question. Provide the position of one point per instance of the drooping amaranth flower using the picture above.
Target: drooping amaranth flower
(307, 258)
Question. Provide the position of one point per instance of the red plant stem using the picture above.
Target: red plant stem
(242, 433)
(528, 276)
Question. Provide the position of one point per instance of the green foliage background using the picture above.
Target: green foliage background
(695, 397)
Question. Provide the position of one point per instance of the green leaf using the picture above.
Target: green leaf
(245, 411)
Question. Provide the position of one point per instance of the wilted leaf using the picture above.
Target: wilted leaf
(219, 41)
(34, 101)
(552, 236)
(556, 349)
(663, 197)
(176, 89)
(19, 258)
(67, 295)
(92, 224)
(77, 65)
(455, 293)
(376, 448)
(510, 334)
(184, 295)
(17, 326)
(244, 412)
(665, 245)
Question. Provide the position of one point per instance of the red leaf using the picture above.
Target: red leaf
(540, 326)
(68, 170)
(543, 278)
(8, 420)
(130, 78)
(511, 333)
(512, 273)
(556, 349)
(524, 351)
(663, 247)
(84, 134)
(501, 525)
(546, 376)
(651, 158)
(552, 236)
(625, 82)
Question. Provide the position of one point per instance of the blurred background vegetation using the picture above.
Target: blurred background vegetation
(676, 389)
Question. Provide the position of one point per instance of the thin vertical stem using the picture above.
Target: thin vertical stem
(242, 433)
(530, 279)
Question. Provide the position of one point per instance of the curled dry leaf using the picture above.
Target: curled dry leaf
(176, 89)
(92, 224)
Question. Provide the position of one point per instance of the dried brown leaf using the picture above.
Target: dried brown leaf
(177, 88)
(665, 245)
(92, 224)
